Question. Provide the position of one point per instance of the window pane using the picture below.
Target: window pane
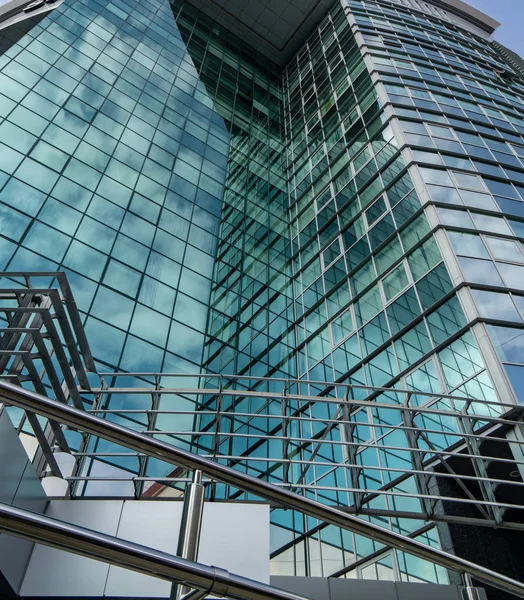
(509, 343)
(513, 275)
(496, 306)
(467, 244)
(457, 218)
(395, 282)
(516, 376)
(505, 249)
(480, 271)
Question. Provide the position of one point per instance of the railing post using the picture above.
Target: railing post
(189, 536)
(469, 592)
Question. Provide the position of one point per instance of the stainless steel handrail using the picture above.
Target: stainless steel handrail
(80, 420)
(92, 544)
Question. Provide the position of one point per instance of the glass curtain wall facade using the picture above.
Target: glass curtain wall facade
(318, 223)
(374, 303)
(460, 108)
(248, 334)
(113, 168)
(251, 302)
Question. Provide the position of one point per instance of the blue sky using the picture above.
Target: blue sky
(510, 13)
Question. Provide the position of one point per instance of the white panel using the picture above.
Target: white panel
(57, 573)
(236, 537)
(20, 487)
(154, 524)
(13, 460)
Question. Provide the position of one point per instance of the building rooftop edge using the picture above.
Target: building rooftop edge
(281, 29)
(278, 33)
(470, 13)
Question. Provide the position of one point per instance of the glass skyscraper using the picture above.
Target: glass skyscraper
(349, 213)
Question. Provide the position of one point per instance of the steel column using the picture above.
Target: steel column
(190, 526)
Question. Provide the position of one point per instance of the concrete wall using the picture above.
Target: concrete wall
(234, 536)
(19, 486)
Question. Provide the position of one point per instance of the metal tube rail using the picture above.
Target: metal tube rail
(376, 446)
(312, 440)
(106, 548)
(320, 489)
(420, 410)
(287, 382)
(279, 461)
(295, 438)
(307, 399)
(191, 391)
(76, 419)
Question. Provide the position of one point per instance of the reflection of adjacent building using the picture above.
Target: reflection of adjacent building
(293, 240)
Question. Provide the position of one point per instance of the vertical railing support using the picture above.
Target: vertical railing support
(469, 592)
(285, 434)
(189, 536)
